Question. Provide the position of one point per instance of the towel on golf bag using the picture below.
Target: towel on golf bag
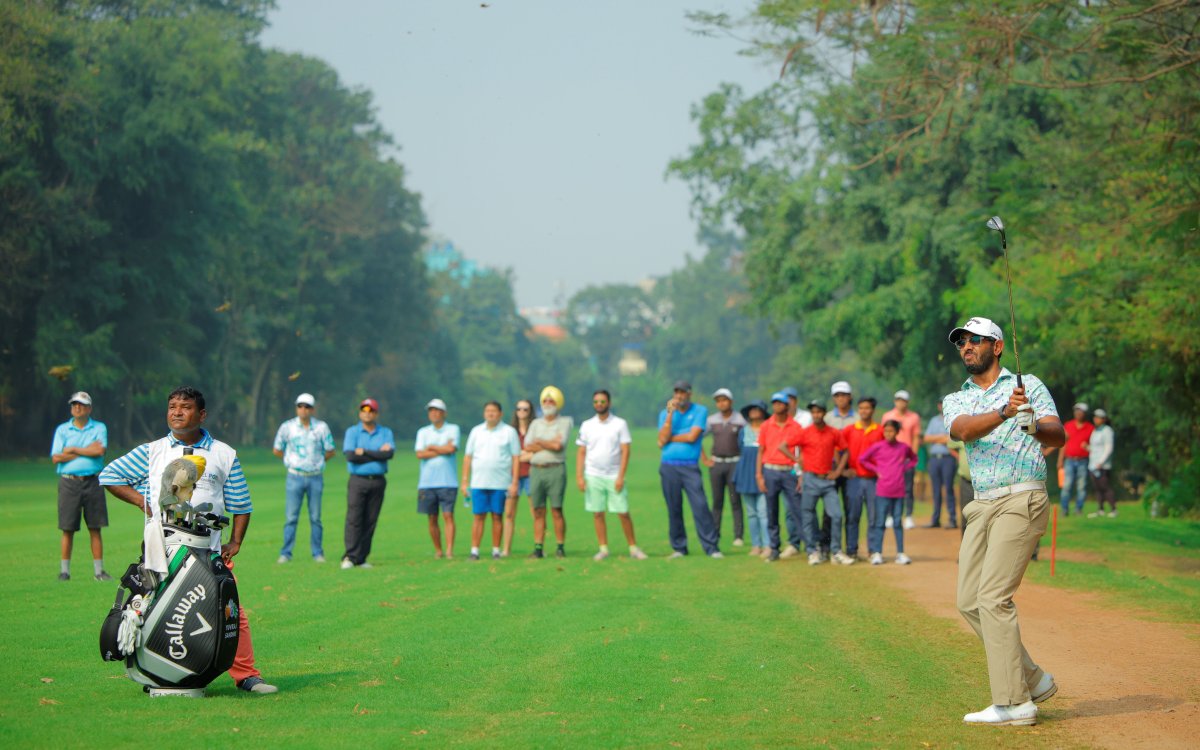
(188, 634)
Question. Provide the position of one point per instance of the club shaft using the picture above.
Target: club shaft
(1012, 310)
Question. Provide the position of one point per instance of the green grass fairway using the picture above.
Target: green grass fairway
(515, 653)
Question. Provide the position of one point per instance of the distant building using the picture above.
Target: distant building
(444, 257)
(633, 361)
(549, 331)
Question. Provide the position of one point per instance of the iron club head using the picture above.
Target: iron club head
(995, 224)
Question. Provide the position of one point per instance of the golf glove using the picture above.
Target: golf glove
(129, 633)
(1025, 419)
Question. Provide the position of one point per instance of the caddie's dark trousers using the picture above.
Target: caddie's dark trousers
(720, 478)
(364, 501)
(781, 483)
(941, 476)
(676, 480)
(841, 484)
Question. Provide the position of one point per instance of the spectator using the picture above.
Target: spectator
(368, 448)
(819, 444)
(910, 435)
(860, 490)
(839, 418)
(1073, 465)
(522, 418)
(1100, 451)
(546, 443)
(941, 466)
(437, 483)
(680, 430)
(600, 466)
(78, 455)
(746, 480)
(725, 426)
(304, 443)
(778, 438)
(890, 459)
(966, 493)
(490, 471)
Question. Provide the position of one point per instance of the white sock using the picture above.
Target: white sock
(495, 550)
(65, 566)
(98, 566)
(633, 548)
(474, 550)
(604, 548)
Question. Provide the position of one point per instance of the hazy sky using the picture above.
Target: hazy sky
(538, 132)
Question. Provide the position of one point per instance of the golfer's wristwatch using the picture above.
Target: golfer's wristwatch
(1003, 417)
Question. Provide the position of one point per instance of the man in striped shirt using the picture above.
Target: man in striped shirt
(133, 479)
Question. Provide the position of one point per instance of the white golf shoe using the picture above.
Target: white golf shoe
(876, 558)
(1022, 715)
(903, 559)
(1045, 689)
(843, 559)
(814, 558)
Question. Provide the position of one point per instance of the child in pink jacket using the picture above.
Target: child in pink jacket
(889, 458)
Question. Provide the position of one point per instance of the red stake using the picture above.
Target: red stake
(1053, 540)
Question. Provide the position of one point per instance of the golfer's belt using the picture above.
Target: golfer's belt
(726, 459)
(778, 467)
(1010, 489)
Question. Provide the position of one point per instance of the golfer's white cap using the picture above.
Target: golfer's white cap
(1100, 413)
(1081, 406)
(80, 397)
(980, 327)
(723, 392)
(306, 399)
(902, 394)
(840, 387)
(435, 403)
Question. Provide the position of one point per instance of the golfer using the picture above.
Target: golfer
(1005, 428)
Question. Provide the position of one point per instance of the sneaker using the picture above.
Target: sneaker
(767, 551)
(1045, 689)
(934, 525)
(318, 558)
(755, 551)
(717, 555)
(675, 555)
(738, 542)
(814, 558)
(495, 555)
(1112, 514)
(283, 560)
(888, 523)
(1023, 715)
(908, 522)
(346, 564)
(537, 554)
(789, 551)
(1097, 514)
(903, 559)
(843, 559)
(876, 558)
(637, 554)
(257, 685)
(103, 576)
(560, 552)
(600, 556)
(474, 555)
(771, 556)
(366, 566)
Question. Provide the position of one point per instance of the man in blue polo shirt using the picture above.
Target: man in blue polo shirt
(368, 448)
(680, 429)
(78, 455)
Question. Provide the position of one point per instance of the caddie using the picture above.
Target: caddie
(134, 478)
(1005, 428)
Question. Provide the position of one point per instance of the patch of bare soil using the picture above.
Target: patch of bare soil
(1124, 681)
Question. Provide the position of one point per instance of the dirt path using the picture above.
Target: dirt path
(1124, 681)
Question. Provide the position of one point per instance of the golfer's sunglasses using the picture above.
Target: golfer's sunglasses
(976, 339)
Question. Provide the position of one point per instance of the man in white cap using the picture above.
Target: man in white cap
(1005, 428)
(304, 443)
(437, 485)
(1073, 460)
(839, 417)
(725, 425)
(910, 433)
(78, 455)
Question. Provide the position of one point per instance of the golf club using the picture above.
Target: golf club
(997, 225)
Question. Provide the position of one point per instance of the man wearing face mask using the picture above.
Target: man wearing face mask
(546, 441)
(680, 430)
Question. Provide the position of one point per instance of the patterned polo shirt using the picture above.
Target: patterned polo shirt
(1006, 455)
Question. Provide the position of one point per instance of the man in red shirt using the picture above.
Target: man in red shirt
(1073, 459)
(819, 444)
(860, 489)
(777, 441)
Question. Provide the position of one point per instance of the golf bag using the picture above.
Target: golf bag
(179, 630)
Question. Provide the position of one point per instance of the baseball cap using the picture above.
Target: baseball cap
(779, 396)
(369, 402)
(790, 392)
(980, 327)
(814, 404)
(840, 387)
(306, 398)
(435, 403)
(682, 385)
(1081, 406)
(80, 397)
(723, 392)
(902, 394)
(1100, 413)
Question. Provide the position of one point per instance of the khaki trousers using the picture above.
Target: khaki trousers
(1000, 537)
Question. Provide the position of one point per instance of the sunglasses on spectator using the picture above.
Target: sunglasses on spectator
(599, 401)
(522, 408)
(976, 339)
(366, 408)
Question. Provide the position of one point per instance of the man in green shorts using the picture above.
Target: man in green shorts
(600, 472)
(546, 440)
